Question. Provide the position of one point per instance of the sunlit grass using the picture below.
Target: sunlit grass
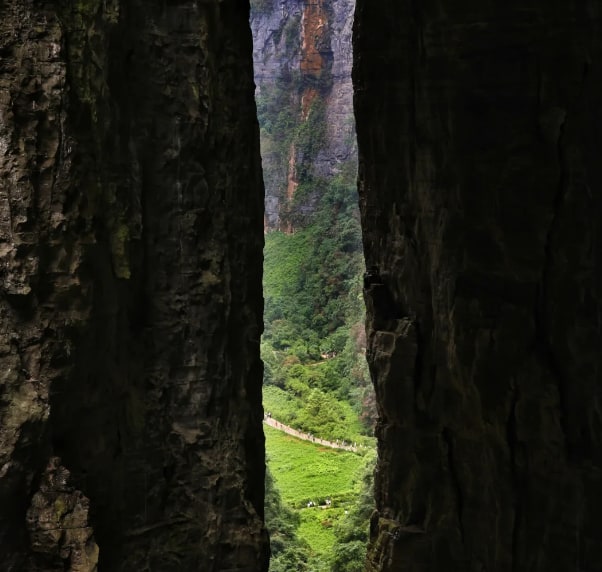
(304, 472)
(317, 528)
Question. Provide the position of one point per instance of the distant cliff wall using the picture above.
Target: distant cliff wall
(302, 60)
(130, 311)
(481, 200)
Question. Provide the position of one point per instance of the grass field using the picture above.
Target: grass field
(304, 472)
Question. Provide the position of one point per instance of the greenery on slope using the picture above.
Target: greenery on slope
(318, 538)
(316, 378)
(312, 472)
(288, 551)
(352, 531)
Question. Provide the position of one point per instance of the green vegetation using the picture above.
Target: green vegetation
(321, 537)
(320, 414)
(307, 471)
(292, 34)
(288, 551)
(351, 532)
(316, 378)
(284, 135)
(277, 109)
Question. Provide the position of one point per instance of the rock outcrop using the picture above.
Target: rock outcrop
(131, 206)
(481, 200)
(58, 525)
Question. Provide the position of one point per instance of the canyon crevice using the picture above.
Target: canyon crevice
(131, 232)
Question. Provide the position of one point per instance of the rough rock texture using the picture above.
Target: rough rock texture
(274, 26)
(304, 47)
(59, 529)
(481, 197)
(341, 147)
(130, 309)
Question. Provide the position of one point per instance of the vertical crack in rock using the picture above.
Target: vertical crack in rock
(451, 463)
(518, 499)
(543, 304)
(418, 363)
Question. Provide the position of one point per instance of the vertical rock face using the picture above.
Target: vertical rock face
(302, 60)
(481, 199)
(130, 242)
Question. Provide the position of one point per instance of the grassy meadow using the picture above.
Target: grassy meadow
(304, 472)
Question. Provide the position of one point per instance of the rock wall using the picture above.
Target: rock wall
(303, 48)
(481, 200)
(131, 223)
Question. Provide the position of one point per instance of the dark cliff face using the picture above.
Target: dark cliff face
(131, 219)
(481, 199)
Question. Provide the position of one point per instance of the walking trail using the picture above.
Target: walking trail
(306, 436)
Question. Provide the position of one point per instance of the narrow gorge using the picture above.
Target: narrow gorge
(316, 380)
(131, 231)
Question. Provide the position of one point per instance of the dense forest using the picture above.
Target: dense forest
(315, 373)
(316, 377)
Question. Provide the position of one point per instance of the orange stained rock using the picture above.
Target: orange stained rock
(315, 24)
(292, 183)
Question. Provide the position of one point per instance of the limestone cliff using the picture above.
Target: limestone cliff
(481, 200)
(302, 61)
(131, 209)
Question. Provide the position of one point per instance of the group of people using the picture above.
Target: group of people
(327, 504)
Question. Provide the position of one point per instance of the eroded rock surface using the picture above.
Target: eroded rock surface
(130, 312)
(58, 522)
(481, 199)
